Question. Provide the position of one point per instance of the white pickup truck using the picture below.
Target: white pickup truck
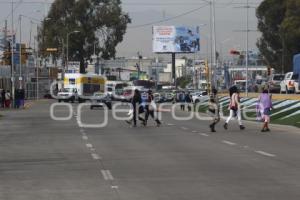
(288, 84)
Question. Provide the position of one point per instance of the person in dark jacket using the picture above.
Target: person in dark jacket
(137, 108)
(3, 98)
(189, 100)
(150, 109)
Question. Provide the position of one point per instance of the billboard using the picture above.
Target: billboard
(176, 39)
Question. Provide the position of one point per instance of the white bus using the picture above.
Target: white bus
(85, 85)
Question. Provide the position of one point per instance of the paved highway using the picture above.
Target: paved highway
(41, 158)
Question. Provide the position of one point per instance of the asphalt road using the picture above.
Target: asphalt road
(42, 158)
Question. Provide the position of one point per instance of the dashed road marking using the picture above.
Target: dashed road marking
(194, 131)
(184, 128)
(114, 187)
(107, 175)
(85, 137)
(265, 153)
(89, 146)
(204, 134)
(82, 131)
(95, 156)
(229, 143)
(171, 124)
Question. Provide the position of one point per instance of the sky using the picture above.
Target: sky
(230, 21)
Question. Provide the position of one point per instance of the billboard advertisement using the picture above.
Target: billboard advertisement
(176, 39)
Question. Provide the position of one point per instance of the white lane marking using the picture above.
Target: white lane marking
(110, 175)
(107, 175)
(85, 137)
(171, 124)
(194, 131)
(104, 174)
(89, 146)
(204, 134)
(229, 143)
(95, 156)
(184, 128)
(114, 187)
(265, 153)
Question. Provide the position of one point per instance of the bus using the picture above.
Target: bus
(85, 85)
(147, 84)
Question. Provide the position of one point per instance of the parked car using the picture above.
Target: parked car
(99, 99)
(67, 95)
(287, 84)
(274, 82)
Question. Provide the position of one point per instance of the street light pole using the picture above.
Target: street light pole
(68, 35)
(12, 55)
(20, 53)
(214, 42)
(247, 44)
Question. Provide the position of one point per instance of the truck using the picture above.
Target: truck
(81, 87)
(287, 85)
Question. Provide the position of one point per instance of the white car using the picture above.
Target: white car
(287, 85)
(199, 97)
(67, 95)
(99, 99)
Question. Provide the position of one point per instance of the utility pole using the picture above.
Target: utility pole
(5, 35)
(20, 54)
(247, 42)
(12, 71)
(247, 48)
(214, 38)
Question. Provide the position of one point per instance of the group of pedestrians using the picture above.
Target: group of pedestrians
(185, 99)
(6, 98)
(143, 104)
(264, 107)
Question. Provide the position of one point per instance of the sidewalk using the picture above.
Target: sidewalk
(28, 104)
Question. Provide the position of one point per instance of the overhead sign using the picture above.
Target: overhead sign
(176, 39)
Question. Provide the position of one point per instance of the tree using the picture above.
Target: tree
(279, 21)
(101, 23)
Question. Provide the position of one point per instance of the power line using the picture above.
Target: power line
(168, 19)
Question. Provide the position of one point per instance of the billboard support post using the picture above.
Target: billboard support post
(174, 69)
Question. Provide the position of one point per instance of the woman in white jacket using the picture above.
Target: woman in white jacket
(234, 107)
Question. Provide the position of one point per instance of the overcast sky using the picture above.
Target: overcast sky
(229, 19)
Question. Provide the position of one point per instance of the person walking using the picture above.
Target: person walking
(3, 98)
(7, 99)
(214, 109)
(189, 100)
(182, 101)
(151, 108)
(22, 98)
(265, 106)
(234, 107)
(137, 108)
